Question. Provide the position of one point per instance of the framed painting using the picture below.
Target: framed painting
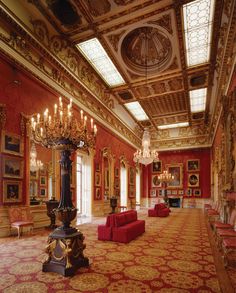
(160, 192)
(180, 192)
(193, 180)
(33, 188)
(153, 193)
(157, 167)
(12, 191)
(34, 175)
(42, 180)
(43, 192)
(193, 165)
(12, 144)
(189, 192)
(176, 170)
(97, 179)
(12, 167)
(131, 175)
(197, 192)
(155, 181)
(168, 192)
(174, 192)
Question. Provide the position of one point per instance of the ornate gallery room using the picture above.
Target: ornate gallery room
(117, 146)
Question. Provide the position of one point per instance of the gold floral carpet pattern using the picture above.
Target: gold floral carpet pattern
(173, 256)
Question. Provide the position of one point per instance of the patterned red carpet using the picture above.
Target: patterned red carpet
(173, 256)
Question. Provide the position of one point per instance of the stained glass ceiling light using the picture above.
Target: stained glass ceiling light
(137, 111)
(198, 16)
(98, 58)
(175, 125)
(198, 100)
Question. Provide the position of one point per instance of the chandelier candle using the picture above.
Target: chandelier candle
(62, 131)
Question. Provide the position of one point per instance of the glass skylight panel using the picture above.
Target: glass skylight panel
(198, 100)
(175, 125)
(137, 111)
(98, 58)
(198, 16)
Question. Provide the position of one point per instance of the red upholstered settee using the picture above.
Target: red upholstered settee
(160, 210)
(121, 227)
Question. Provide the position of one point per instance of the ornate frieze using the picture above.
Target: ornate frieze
(67, 73)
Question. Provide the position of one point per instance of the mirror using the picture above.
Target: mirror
(40, 174)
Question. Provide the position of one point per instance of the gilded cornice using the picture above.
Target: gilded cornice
(54, 58)
(226, 54)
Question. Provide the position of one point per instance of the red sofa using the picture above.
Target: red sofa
(160, 210)
(121, 227)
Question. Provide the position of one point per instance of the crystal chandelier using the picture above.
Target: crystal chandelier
(165, 177)
(35, 164)
(145, 156)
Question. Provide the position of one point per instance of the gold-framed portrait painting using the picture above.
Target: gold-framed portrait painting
(12, 191)
(176, 171)
(13, 167)
(193, 180)
(193, 165)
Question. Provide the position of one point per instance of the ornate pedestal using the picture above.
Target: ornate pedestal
(65, 252)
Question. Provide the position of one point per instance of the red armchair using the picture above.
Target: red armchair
(160, 210)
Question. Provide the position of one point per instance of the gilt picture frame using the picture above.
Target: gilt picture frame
(13, 167)
(176, 170)
(193, 180)
(157, 167)
(12, 144)
(12, 191)
(193, 165)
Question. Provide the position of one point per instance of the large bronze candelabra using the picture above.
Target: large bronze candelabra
(64, 132)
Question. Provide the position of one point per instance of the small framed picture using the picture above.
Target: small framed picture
(153, 193)
(13, 167)
(156, 181)
(42, 180)
(12, 191)
(160, 192)
(193, 180)
(98, 193)
(43, 172)
(157, 167)
(181, 192)
(97, 179)
(12, 144)
(197, 192)
(189, 192)
(174, 192)
(168, 192)
(193, 165)
(43, 192)
(34, 175)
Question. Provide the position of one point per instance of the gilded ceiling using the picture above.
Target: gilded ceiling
(144, 39)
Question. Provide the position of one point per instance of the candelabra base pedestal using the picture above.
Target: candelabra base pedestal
(65, 252)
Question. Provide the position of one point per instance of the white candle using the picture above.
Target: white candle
(91, 120)
(55, 109)
(85, 121)
(61, 113)
(81, 115)
(32, 121)
(95, 129)
(49, 119)
(38, 117)
(41, 131)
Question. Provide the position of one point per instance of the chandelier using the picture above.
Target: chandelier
(165, 177)
(62, 128)
(35, 164)
(146, 156)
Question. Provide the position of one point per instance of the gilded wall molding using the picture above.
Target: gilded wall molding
(13, 36)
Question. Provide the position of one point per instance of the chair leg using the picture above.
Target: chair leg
(19, 232)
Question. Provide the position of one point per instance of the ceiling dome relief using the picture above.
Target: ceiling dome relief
(146, 49)
(99, 7)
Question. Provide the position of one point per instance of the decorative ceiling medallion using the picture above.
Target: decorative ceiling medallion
(146, 48)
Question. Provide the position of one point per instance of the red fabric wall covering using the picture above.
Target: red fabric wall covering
(182, 156)
(29, 96)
